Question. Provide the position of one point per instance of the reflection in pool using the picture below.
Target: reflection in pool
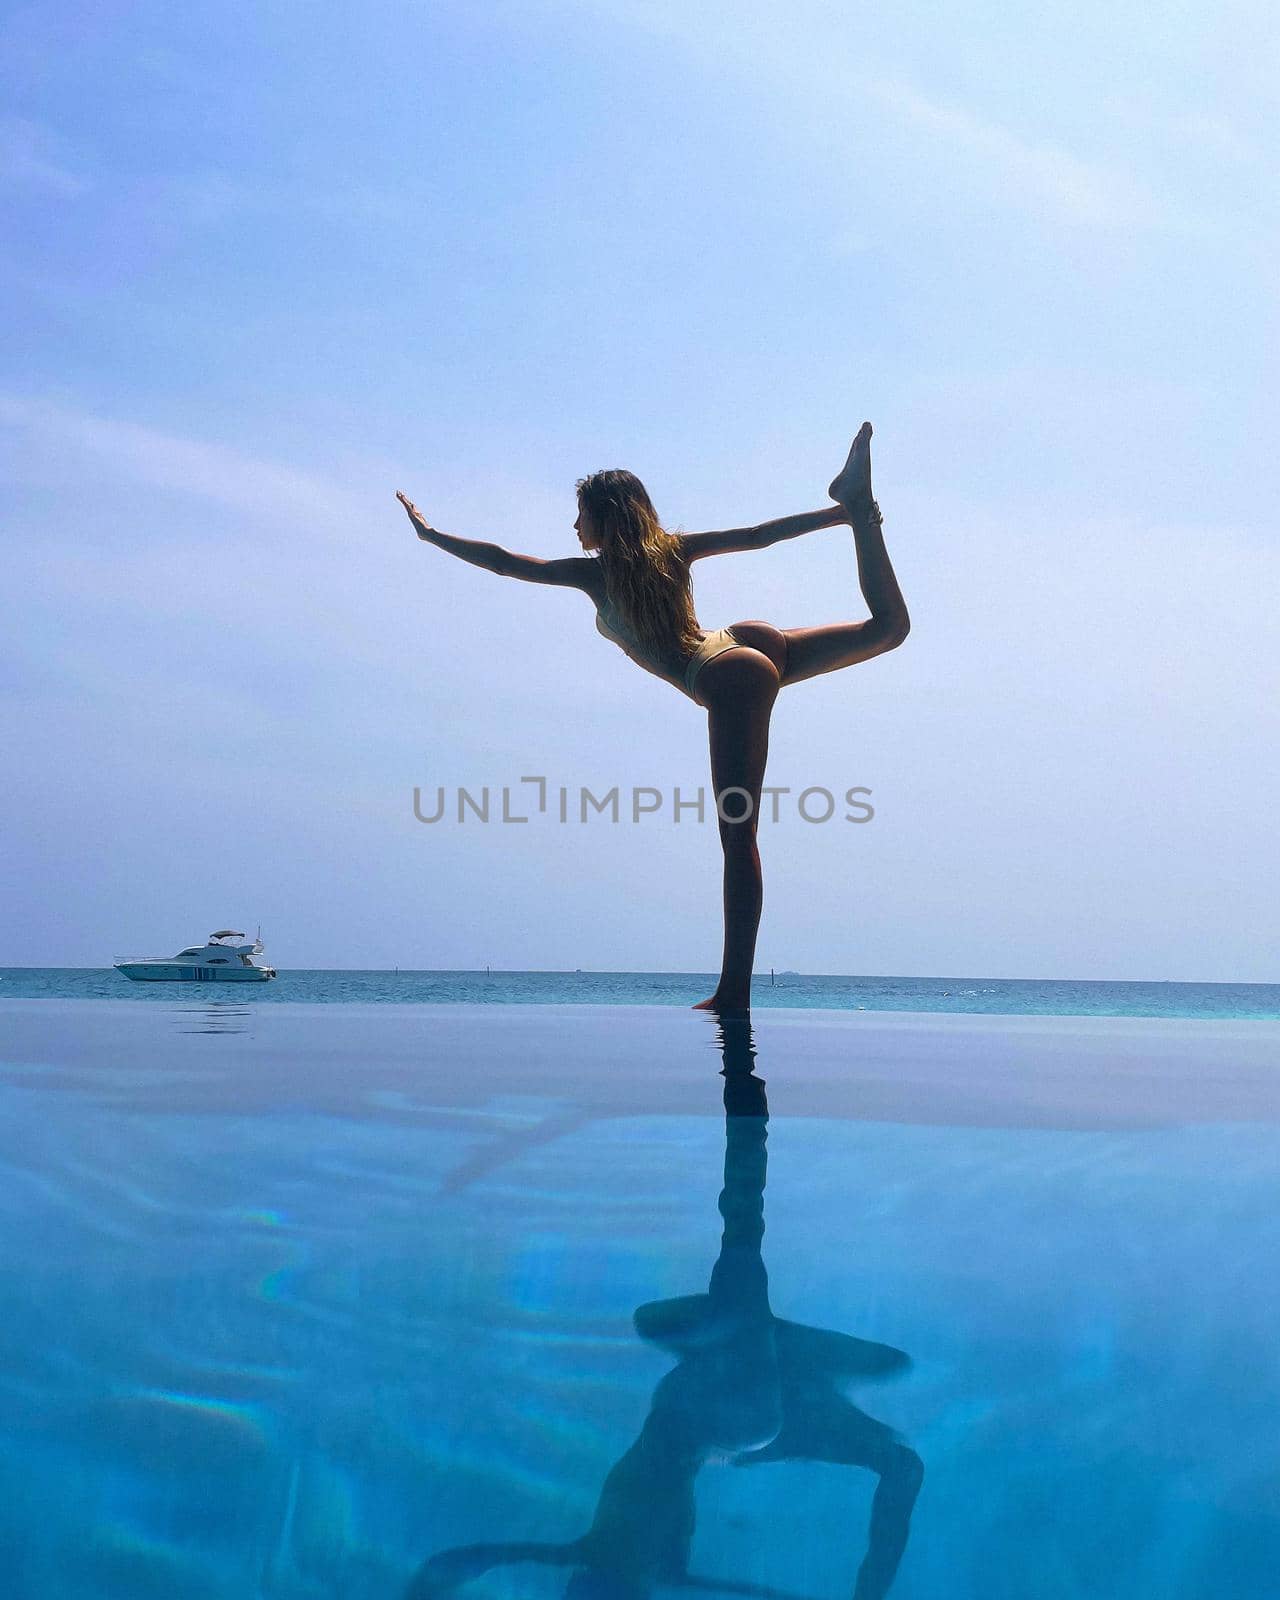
(748, 1387)
(220, 1015)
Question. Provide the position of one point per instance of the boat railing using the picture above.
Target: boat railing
(225, 953)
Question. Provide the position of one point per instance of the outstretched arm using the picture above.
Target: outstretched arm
(728, 540)
(571, 572)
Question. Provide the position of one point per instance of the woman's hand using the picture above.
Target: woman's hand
(573, 571)
(422, 527)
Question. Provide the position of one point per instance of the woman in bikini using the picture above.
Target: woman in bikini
(637, 576)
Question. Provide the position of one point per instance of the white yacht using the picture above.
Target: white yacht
(227, 958)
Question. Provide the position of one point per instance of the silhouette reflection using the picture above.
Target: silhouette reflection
(748, 1387)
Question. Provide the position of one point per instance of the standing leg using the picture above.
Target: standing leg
(738, 689)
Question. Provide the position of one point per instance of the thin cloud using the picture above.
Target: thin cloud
(1079, 191)
(187, 466)
(27, 160)
(1017, 169)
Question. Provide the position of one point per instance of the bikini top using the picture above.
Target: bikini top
(611, 626)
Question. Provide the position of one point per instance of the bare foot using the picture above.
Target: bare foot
(851, 486)
(727, 1005)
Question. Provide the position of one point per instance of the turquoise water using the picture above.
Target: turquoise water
(984, 996)
(356, 1301)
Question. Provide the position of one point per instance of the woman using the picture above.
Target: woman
(639, 583)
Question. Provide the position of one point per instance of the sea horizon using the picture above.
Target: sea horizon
(1160, 997)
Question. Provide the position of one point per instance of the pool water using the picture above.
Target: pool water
(411, 1301)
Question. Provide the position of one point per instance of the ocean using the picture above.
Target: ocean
(976, 996)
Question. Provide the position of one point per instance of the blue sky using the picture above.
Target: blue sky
(271, 264)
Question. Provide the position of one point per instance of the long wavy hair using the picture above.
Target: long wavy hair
(645, 574)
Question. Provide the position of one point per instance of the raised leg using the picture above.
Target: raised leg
(813, 651)
(738, 689)
(821, 1425)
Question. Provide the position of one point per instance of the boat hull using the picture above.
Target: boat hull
(174, 972)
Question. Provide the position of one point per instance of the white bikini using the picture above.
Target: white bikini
(683, 676)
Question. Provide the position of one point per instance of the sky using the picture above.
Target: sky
(266, 265)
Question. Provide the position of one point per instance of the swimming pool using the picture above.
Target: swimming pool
(526, 1300)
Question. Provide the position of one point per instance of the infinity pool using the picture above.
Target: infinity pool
(356, 1301)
